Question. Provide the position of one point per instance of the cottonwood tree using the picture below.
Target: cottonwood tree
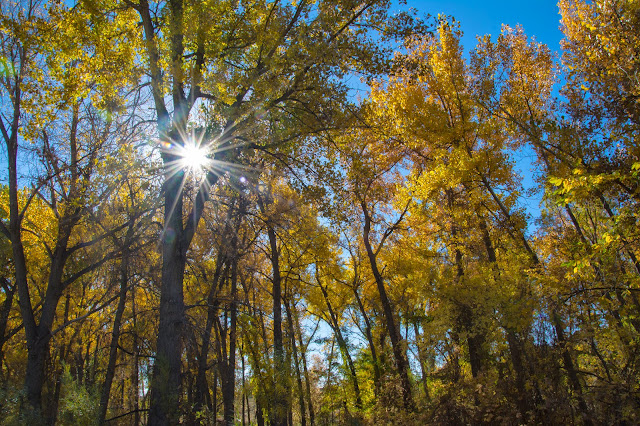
(373, 174)
(57, 108)
(239, 62)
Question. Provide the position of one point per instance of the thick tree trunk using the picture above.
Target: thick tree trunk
(37, 335)
(38, 345)
(35, 356)
(475, 338)
(259, 416)
(166, 377)
(52, 410)
(165, 388)
(188, 378)
(515, 349)
(34, 379)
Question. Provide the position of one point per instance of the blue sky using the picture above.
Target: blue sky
(539, 18)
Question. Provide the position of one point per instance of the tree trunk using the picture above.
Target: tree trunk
(256, 368)
(135, 373)
(514, 342)
(574, 380)
(244, 390)
(38, 345)
(37, 336)
(203, 396)
(466, 316)
(259, 416)
(165, 387)
(396, 341)
(51, 412)
(342, 344)
(229, 383)
(166, 378)
(35, 357)
(214, 402)
(303, 357)
(9, 292)
(421, 360)
(34, 379)
(115, 336)
(372, 346)
(280, 405)
(303, 418)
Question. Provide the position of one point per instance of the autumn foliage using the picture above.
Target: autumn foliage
(200, 223)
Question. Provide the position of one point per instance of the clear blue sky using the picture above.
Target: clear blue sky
(539, 18)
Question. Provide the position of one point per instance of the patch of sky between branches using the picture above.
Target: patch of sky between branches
(531, 197)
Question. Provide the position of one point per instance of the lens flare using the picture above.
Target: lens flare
(194, 158)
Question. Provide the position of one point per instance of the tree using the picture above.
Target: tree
(462, 193)
(242, 62)
(372, 173)
(71, 138)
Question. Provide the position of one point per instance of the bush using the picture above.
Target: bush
(79, 406)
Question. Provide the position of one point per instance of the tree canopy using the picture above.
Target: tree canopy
(201, 223)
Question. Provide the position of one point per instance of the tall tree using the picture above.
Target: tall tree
(243, 61)
(369, 184)
(72, 136)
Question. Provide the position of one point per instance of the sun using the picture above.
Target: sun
(193, 157)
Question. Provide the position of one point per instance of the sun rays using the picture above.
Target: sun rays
(194, 158)
(197, 162)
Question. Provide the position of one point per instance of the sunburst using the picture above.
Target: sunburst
(194, 162)
(194, 157)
